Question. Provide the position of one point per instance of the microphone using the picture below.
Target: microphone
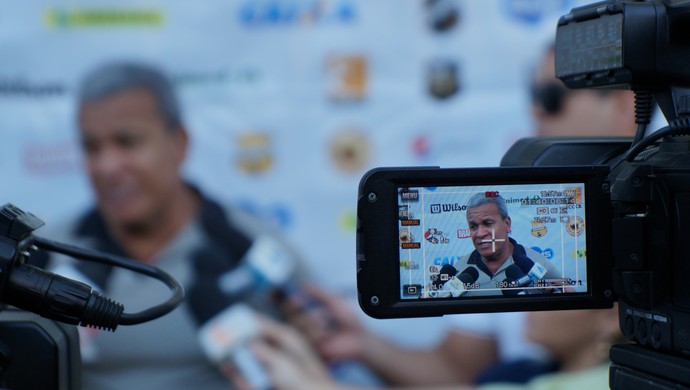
(457, 286)
(445, 274)
(265, 267)
(226, 326)
(533, 270)
(515, 277)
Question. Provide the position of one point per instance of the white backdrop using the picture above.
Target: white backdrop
(289, 102)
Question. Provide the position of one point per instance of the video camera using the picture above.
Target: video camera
(607, 213)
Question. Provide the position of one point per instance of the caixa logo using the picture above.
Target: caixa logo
(296, 12)
(443, 260)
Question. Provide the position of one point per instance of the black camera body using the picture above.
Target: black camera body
(635, 199)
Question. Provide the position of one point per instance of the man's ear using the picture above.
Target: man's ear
(624, 104)
(181, 144)
(508, 223)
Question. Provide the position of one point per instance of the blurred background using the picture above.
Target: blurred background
(288, 102)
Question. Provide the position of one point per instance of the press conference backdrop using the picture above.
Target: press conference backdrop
(289, 102)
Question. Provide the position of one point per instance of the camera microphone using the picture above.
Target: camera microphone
(457, 286)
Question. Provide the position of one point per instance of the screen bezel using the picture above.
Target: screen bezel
(378, 256)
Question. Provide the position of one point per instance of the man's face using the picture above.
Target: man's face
(132, 157)
(577, 112)
(489, 231)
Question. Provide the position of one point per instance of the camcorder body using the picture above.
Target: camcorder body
(570, 223)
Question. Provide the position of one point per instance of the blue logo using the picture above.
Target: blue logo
(278, 215)
(296, 12)
(446, 260)
(546, 252)
(533, 12)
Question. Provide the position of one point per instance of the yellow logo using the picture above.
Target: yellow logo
(538, 229)
(254, 152)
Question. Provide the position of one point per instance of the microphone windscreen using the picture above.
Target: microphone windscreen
(469, 275)
(448, 270)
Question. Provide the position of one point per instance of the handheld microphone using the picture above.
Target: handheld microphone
(533, 270)
(264, 267)
(458, 286)
(518, 279)
(226, 326)
(446, 273)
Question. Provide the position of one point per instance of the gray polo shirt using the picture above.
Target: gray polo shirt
(163, 353)
(488, 284)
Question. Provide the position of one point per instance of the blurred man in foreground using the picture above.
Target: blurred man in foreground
(135, 144)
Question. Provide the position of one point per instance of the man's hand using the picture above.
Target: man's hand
(329, 323)
(289, 359)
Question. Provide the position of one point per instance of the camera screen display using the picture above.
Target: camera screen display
(461, 242)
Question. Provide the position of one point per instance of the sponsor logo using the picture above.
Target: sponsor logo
(279, 215)
(60, 18)
(575, 225)
(32, 89)
(442, 15)
(348, 221)
(408, 264)
(437, 208)
(513, 200)
(421, 146)
(464, 233)
(442, 78)
(296, 12)
(346, 77)
(435, 236)
(532, 12)
(242, 76)
(350, 150)
(407, 240)
(51, 159)
(538, 229)
(443, 260)
(546, 252)
(254, 153)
